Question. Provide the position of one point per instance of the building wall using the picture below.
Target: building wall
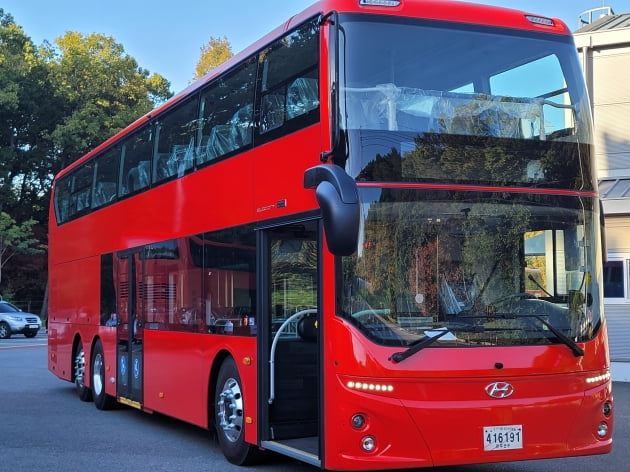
(605, 55)
(617, 310)
(611, 109)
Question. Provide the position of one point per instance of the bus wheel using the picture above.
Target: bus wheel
(228, 400)
(101, 399)
(85, 394)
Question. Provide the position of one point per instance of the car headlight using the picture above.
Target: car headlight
(16, 318)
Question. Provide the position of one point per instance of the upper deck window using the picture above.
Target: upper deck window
(441, 101)
(265, 96)
(227, 114)
(175, 142)
(137, 154)
(289, 79)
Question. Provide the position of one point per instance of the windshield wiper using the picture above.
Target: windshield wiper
(418, 346)
(577, 350)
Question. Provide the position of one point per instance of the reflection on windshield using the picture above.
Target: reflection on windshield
(492, 269)
(425, 101)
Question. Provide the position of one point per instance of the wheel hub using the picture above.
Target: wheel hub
(230, 410)
(97, 379)
(79, 368)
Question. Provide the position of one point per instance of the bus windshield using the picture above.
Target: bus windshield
(447, 104)
(490, 268)
(429, 101)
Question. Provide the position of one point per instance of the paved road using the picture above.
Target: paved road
(43, 426)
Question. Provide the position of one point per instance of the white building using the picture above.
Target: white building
(604, 48)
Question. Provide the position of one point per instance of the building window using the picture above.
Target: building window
(616, 279)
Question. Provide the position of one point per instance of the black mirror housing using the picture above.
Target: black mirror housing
(338, 197)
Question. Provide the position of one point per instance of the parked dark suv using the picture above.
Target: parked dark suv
(15, 321)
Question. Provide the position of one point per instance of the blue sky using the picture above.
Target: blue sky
(166, 37)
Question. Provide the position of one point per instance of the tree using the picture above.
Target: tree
(101, 90)
(27, 115)
(57, 102)
(16, 239)
(213, 54)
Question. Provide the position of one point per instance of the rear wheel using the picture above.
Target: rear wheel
(101, 399)
(228, 401)
(85, 394)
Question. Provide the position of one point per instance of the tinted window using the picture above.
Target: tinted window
(108, 291)
(226, 109)
(451, 103)
(63, 191)
(176, 142)
(106, 177)
(137, 152)
(74, 193)
(289, 79)
(613, 279)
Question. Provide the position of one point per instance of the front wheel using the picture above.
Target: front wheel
(229, 418)
(101, 399)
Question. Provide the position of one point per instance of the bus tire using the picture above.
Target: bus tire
(84, 393)
(229, 418)
(102, 401)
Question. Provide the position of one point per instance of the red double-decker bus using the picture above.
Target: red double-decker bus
(371, 240)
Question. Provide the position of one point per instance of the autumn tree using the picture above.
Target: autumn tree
(102, 90)
(213, 54)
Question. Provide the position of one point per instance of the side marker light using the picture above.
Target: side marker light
(540, 20)
(379, 3)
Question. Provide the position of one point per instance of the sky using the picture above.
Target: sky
(167, 37)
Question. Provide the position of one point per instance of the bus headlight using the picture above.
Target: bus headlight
(602, 430)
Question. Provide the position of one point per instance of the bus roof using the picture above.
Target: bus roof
(441, 10)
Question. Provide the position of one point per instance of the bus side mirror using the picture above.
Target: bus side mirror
(338, 197)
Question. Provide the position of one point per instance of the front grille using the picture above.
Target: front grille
(31, 319)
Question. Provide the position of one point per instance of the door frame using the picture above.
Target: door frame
(130, 352)
(293, 447)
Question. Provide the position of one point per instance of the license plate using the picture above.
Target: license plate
(498, 438)
(33, 326)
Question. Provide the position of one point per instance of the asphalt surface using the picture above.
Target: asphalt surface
(45, 427)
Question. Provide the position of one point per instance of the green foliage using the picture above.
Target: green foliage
(16, 239)
(57, 102)
(213, 54)
(26, 116)
(102, 90)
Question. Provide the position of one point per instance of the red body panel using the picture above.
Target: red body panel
(439, 389)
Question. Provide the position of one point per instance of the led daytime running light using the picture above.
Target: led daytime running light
(370, 387)
(598, 378)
